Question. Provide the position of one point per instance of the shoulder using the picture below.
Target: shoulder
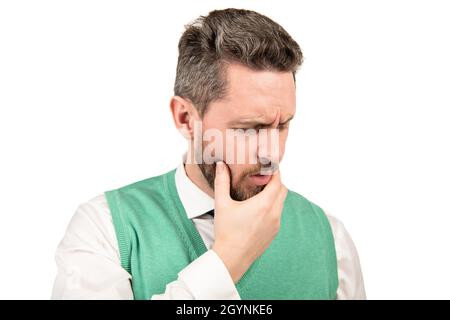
(303, 204)
(95, 211)
(154, 183)
(91, 227)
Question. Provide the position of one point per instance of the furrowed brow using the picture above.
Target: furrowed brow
(255, 122)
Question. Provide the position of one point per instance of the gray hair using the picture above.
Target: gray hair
(229, 36)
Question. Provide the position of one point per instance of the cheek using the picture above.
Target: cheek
(283, 138)
(236, 171)
(215, 141)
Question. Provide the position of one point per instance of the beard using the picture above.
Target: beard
(237, 191)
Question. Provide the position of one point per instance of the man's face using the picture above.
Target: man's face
(260, 100)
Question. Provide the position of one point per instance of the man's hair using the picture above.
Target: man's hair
(229, 36)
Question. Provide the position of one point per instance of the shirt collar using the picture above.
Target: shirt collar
(195, 201)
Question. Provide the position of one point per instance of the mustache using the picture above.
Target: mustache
(262, 169)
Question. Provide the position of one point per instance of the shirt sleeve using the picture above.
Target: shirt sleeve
(87, 258)
(206, 278)
(351, 283)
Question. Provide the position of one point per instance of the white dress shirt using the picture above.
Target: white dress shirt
(89, 263)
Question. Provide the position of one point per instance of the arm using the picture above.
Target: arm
(206, 278)
(87, 257)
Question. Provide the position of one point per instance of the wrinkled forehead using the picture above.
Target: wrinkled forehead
(256, 95)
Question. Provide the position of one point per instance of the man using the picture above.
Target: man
(222, 225)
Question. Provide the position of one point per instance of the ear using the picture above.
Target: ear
(184, 114)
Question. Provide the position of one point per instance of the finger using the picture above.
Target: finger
(272, 189)
(222, 182)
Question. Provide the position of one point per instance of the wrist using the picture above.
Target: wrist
(236, 264)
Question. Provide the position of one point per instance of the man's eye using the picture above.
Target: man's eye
(257, 128)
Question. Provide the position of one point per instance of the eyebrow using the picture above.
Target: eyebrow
(256, 122)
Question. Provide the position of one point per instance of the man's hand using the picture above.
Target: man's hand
(245, 229)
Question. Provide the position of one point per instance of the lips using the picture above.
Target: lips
(260, 179)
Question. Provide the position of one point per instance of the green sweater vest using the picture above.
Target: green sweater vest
(157, 240)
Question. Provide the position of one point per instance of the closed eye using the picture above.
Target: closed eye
(281, 126)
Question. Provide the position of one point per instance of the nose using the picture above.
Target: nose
(268, 149)
(268, 166)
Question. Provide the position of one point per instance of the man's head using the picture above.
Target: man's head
(236, 70)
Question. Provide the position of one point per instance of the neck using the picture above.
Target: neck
(195, 174)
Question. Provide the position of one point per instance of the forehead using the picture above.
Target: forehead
(256, 94)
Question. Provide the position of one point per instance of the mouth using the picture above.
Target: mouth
(263, 176)
(260, 179)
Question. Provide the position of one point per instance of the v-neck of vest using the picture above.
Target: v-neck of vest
(181, 220)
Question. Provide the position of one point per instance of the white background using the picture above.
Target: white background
(84, 107)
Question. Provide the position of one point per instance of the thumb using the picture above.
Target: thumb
(222, 182)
